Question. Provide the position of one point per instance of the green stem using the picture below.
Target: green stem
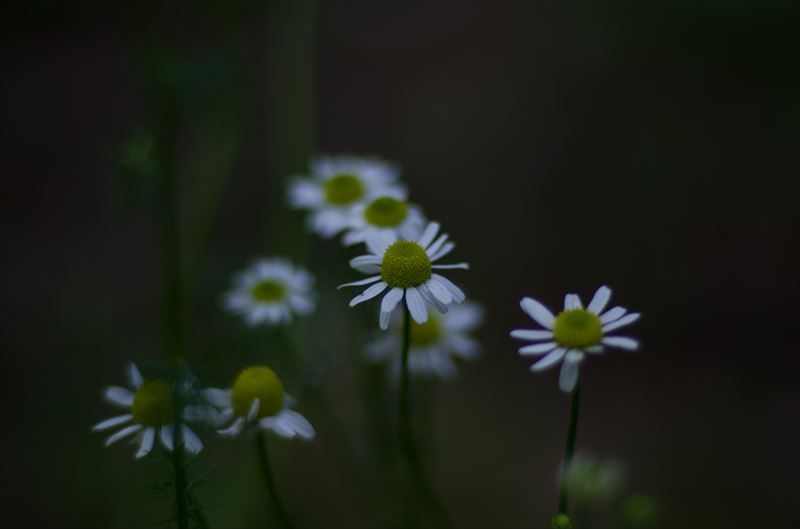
(272, 489)
(569, 449)
(406, 437)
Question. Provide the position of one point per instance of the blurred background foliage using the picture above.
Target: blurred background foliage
(562, 144)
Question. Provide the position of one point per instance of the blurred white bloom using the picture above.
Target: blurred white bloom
(406, 268)
(150, 414)
(269, 291)
(384, 214)
(257, 397)
(336, 185)
(435, 344)
(573, 332)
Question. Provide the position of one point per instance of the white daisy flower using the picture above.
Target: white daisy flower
(337, 184)
(406, 268)
(150, 414)
(258, 397)
(269, 291)
(387, 213)
(435, 344)
(573, 333)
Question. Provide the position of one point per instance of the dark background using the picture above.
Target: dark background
(563, 145)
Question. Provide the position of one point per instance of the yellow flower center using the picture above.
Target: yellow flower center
(405, 264)
(427, 333)
(343, 189)
(577, 328)
(152, 403)
(386, 212)
(257, 382)
(268, 291)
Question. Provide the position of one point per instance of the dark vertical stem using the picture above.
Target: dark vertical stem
(569, 449)
(406, 437)
(173, 296)
(272, 489)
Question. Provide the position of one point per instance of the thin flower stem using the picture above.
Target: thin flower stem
(406, 437)
(569, 449)
(272, 489)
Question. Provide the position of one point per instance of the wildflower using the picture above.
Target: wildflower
(151, 412)
(406, 268)
(435, 344)
(257, 396)
(384, 214)
(337, 185)
(269, 291)
(574, 332)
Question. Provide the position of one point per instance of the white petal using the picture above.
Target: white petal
(220, 398)
(594, 349)
(383, 320)
(464, 346)
(128, 430)
(613, 314)
(457, 293)
(299, 424)
(146, 445)
(278, 426)
(166, 437)
(135, 378)
(444, 250)
(431, 299)
(572, 302)
(569, 371)
(110, 423)
(416, 305)
(462, 266)
(366, 281)
(538, 312)
(369, 264)
(622, 342)
(234, 429)
(253, 413)
(525, 334)
(119, 396)
(626, 320)
(427, 236)
(369, 293)
(439, 290)
(192, 443)
(433, 248)
(390, 300)
(378, 241)
(464, 317)
(599, 300)
(537, 349)
(551, 359)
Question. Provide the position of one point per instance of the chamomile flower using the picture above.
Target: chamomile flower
(435, 344)
(573, 333)
(150, 414)
(387, 213)
(407, 269)
(257, 397)
(269, 291)
(338, 184)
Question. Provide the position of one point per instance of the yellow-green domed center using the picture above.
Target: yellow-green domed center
(577, 328)
(386, 212)
(343, 189)
(257, 382)
(268, 291)
(427, 333)
(405, 264)
(152, 403)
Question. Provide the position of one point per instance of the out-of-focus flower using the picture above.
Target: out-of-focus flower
(257, 397)
(269, 291)
(592, 480)
(336, 185)
(406, 268)
(435, 344)
(150, 407)
(384, 214)
(573, 333)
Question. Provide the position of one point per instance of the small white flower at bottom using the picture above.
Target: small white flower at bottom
(150, 406)
(435, 344)
(407, 269)
(269, 291)
(257, 397)
(573, 333)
